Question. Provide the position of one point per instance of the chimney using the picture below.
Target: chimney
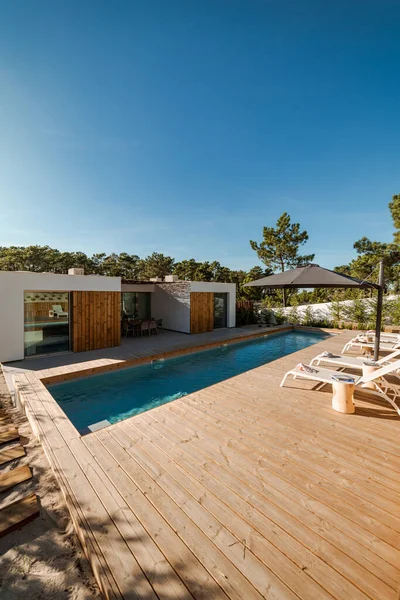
(76, 271)
(171, 278)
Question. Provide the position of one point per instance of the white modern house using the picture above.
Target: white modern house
(185, 306)
(45, 313)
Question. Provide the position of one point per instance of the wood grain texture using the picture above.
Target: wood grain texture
(16, 514)
(11, 478)
(8, 433)
(96, 320)
(11, 453)
(201, 312)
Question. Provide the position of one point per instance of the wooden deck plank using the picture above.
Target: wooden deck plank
(264, 504)
(8, 434)
(11, 478)
(377, 520)
(224, 572)
(190, 570)
(386, 498)
(18, 513)
(256, 571)
(249, 525)
(241, 490)
(9, 454)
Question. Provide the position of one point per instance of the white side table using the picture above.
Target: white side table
(343, 397)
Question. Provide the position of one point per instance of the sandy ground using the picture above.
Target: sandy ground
(42, 560)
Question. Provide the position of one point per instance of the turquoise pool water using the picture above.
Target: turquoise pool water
(116, 395)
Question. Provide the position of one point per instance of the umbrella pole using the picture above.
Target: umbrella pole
(379, 310)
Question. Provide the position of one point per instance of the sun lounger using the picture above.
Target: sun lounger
(360, 342)
(353, 362)
(381, 386)
(58, 311)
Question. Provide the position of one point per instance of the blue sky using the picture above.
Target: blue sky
(183, 127)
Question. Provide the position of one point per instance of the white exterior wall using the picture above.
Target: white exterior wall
(13, 284)
(219, 288)
(171, 303)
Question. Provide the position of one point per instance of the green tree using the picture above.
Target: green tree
(156, 265)
(279, 249)
(186, 269)
(253, 293)
(394, 207)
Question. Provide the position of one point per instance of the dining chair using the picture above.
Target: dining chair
(144, 327)
(152, 327)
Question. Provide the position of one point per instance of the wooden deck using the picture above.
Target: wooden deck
(243, 490)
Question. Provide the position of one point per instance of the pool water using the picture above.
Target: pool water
(117, 395)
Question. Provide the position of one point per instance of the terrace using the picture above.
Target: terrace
(241, 490)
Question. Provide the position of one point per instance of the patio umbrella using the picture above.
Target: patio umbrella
(314, 276)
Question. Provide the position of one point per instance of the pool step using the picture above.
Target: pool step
(99, 425)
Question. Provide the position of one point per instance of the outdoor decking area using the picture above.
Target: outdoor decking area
(242, 490)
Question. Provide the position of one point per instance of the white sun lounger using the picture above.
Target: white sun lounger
(357, 342)
(58, 310)
(353, 362)
(382, 387)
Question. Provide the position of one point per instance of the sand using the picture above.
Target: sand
(42, 560)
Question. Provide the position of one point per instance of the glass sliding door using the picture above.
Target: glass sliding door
(220, 310)
(46, 322)
(136, 305)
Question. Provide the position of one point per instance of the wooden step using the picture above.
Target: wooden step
(11, 478)
(11, 453)
(8, 435)
(18, 513)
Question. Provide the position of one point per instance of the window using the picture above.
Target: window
(46, 322)
(220, 310)
(136, 305)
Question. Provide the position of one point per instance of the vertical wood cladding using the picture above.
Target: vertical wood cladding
(96, 320)
(201, 312)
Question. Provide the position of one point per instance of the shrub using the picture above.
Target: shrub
(336, 310)
(308, 317)
(357, 312)
(293, 316)
(245, 316)
(280, 317)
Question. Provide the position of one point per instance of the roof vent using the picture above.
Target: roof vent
(171, 278)
(76, 271)
(155, 279)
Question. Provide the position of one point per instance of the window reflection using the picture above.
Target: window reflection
(46, 322)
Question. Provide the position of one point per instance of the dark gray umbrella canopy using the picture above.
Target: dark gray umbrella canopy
(311, 276)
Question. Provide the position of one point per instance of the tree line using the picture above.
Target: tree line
(44, 259)
(278, 250)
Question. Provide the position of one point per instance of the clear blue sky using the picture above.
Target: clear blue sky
(183, 127)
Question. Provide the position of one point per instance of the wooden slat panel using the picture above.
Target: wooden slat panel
(201, 312)
(96, 320)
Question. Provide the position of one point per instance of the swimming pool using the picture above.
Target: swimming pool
(117, 395)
